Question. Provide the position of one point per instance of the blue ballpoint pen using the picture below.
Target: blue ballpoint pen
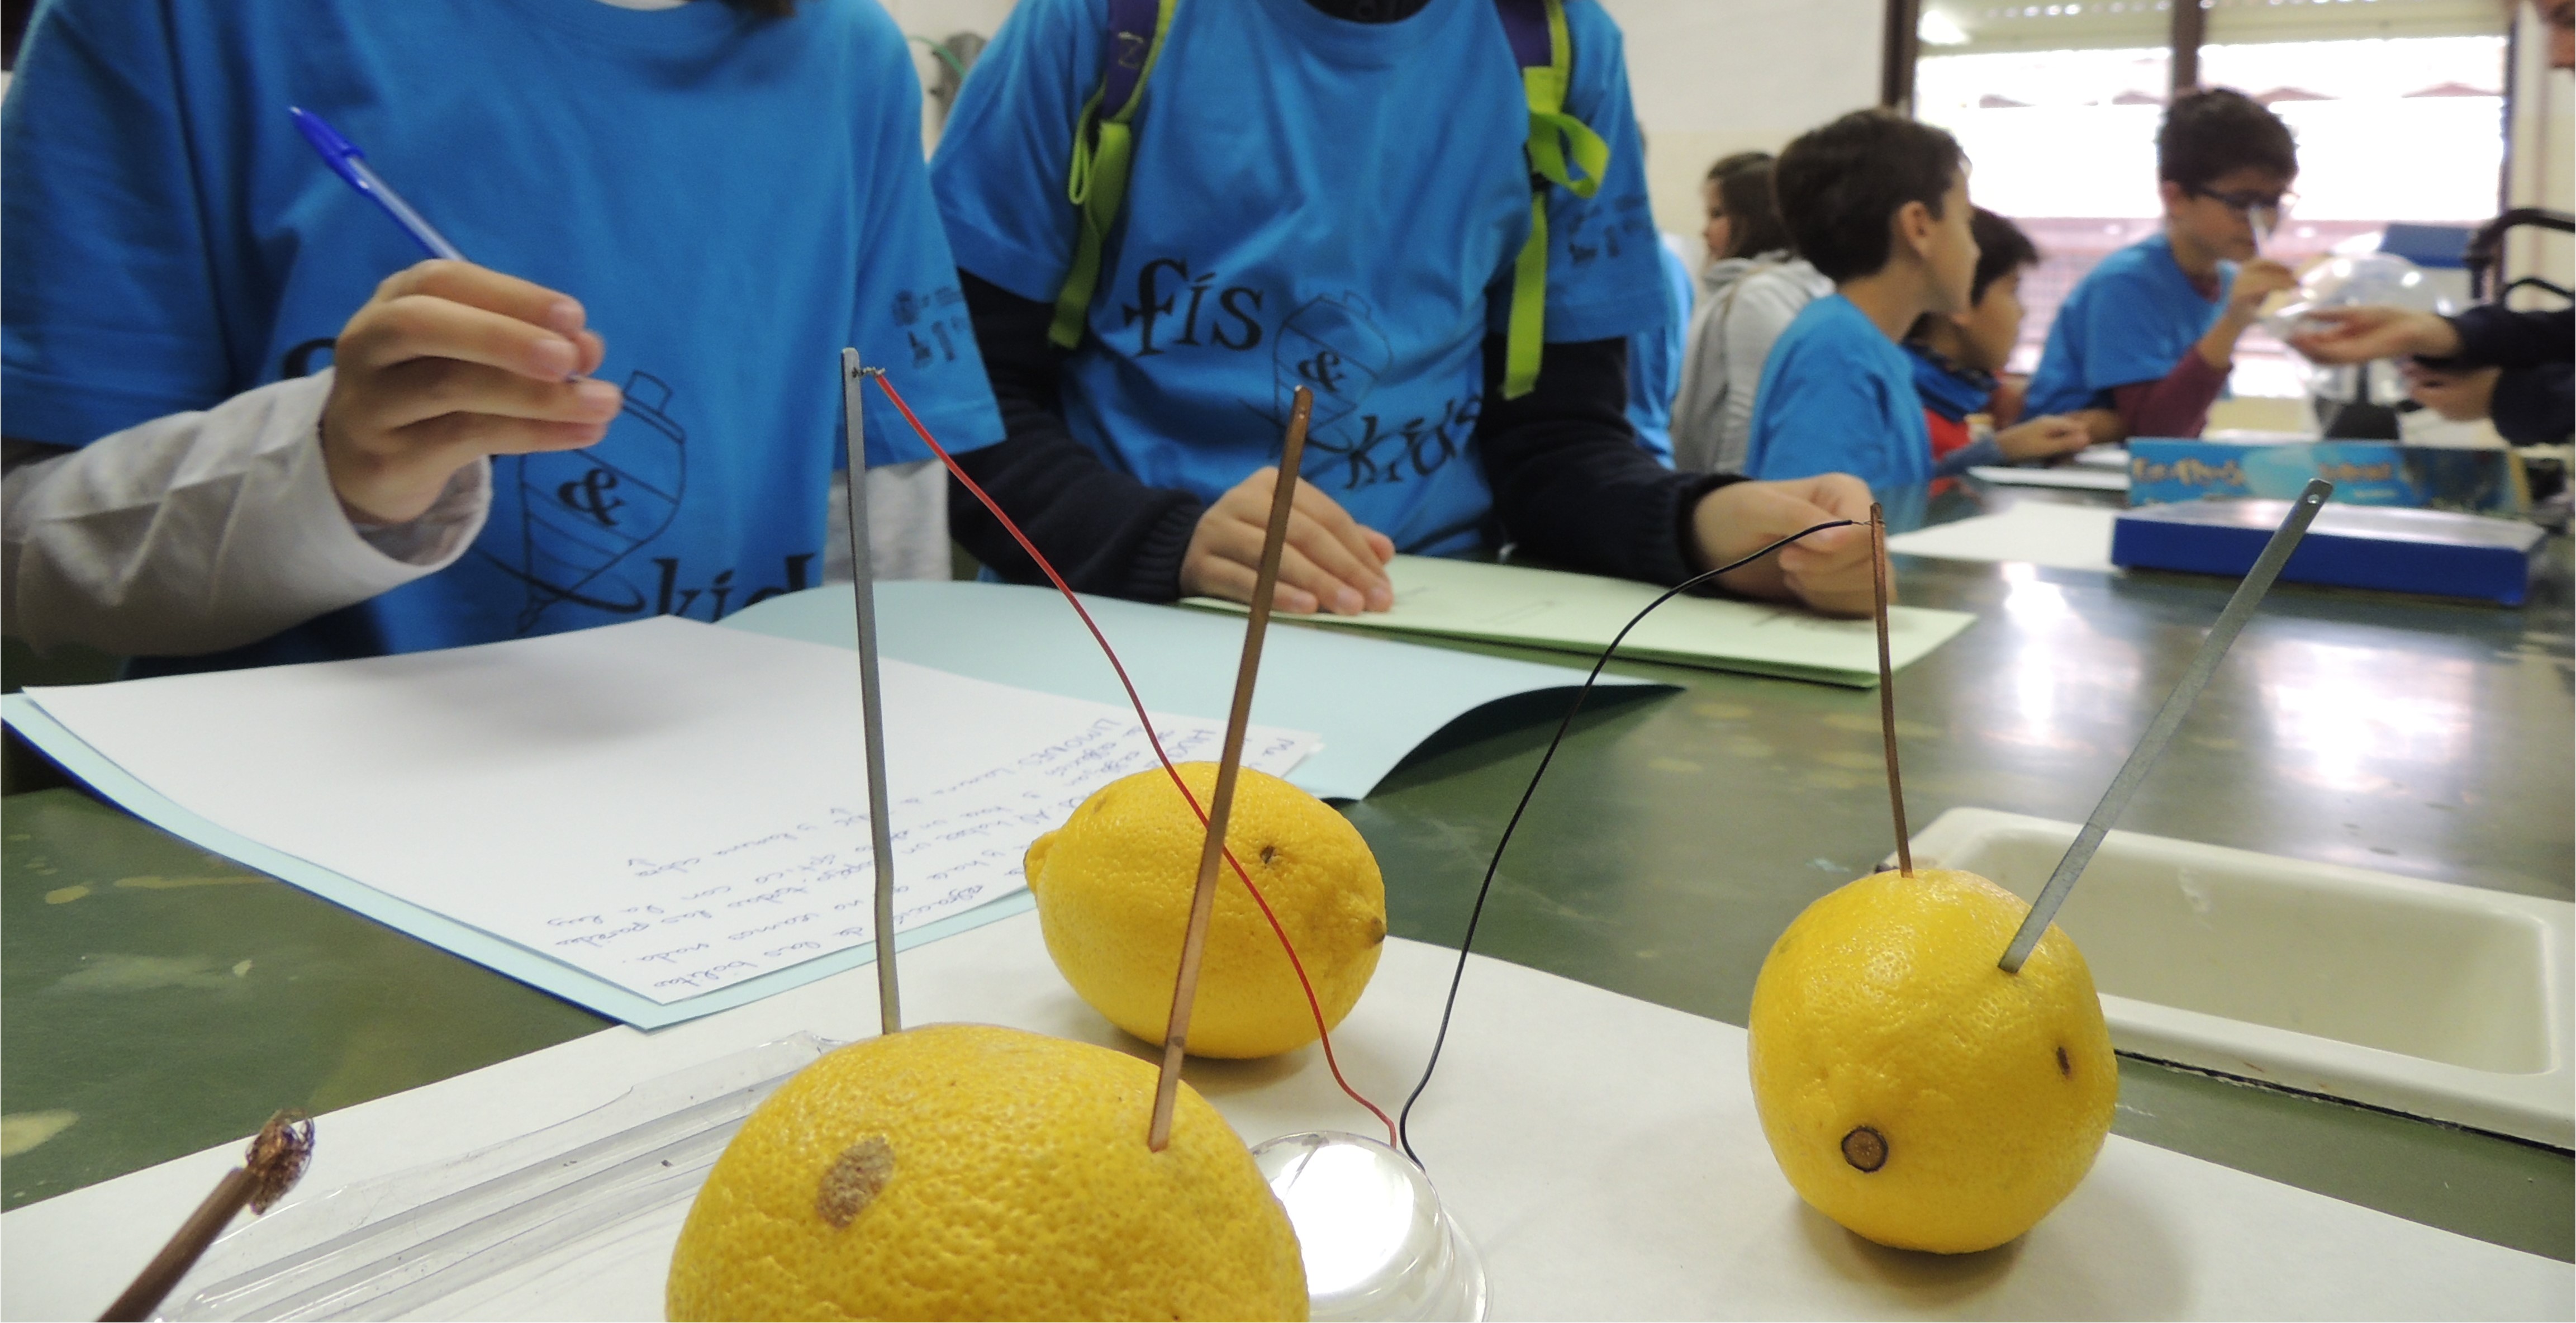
(350, 164)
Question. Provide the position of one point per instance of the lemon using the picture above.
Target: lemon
(1113, 892)
(1913, 1091)
(965, 1171)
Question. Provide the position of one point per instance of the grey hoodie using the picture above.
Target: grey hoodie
(1745, 302)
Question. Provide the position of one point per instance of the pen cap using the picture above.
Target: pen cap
(335, 150)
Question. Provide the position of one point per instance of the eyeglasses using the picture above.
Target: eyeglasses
(2276, 204)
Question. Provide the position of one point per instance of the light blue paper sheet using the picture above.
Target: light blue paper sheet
(1372, 701)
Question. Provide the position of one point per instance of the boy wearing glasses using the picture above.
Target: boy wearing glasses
(2143, 344)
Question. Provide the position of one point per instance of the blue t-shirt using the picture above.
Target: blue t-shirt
(1312, 201)
(1655, 363)
(2130, 319)
(1837, 396)
(732, 199)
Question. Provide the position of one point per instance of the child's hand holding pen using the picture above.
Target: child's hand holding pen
(449, 363)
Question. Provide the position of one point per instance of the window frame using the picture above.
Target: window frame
(1900, 48)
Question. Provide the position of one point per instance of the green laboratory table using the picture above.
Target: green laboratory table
(156, 999)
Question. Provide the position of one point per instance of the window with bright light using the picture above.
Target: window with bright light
(2399, 117)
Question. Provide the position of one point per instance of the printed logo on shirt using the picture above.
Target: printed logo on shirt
(1233, 323)
(1630, 225)
(583, 514)
(307, 358)
(934, 323)
(1331, 345)
(1376, 450)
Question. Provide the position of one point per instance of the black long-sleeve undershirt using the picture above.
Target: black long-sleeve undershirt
(2535, 395)
(1571, 486)
(1104, 531)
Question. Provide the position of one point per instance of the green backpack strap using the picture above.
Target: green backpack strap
(1545, 53)
(1104, 146)
(1104, 141)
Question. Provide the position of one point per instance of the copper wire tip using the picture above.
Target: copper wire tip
(275, 1162)
(277, 1157)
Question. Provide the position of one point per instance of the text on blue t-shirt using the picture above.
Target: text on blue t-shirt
(1313, 202)
(733, 199)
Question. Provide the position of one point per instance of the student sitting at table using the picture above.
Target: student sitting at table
(1752, 289)
(2143, 344)
(246, 428)
(1880, 204)
(1956, 356)
(1334, 194)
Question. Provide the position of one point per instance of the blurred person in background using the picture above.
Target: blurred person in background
(2144, 343)
(1957, 354)
(1754, 286)
(2515, 368)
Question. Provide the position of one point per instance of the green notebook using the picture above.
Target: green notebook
(1581, 613)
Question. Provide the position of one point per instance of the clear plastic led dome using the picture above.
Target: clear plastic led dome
(1377, 1243)
(2351, 281)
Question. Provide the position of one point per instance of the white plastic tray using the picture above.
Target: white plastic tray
(484, 1232)
(2442, 1001)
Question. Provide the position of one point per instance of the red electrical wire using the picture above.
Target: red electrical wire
(1322, 1034)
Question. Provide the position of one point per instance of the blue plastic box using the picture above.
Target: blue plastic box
(2441, 552)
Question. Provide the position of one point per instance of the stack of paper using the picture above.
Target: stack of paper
(656, 820)
(1583, 613)
(2066, 537)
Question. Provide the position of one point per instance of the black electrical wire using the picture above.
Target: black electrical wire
(1404, 1120)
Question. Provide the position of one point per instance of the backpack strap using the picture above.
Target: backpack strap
(1103, 147)
(1540, 45)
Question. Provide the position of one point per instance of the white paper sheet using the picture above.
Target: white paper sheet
(669, 806)
(2078, 479)
(1602, 1152)
(2065, 537)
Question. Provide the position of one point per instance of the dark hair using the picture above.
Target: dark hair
(1752, 212)
(2001, 250)
(766, 8)
(2215, 130)
(1840, 185)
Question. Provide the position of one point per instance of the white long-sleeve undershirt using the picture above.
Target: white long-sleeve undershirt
(198, 532)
